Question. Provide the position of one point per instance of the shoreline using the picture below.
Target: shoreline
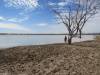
(44, 44)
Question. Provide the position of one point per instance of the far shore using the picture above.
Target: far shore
(46, 34)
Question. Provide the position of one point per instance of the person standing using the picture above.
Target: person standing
(65, 39)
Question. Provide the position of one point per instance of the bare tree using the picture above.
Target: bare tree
(74, 14)
(86, 10)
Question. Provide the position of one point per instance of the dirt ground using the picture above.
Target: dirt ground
(57, 59)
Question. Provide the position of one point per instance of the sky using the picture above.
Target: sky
(33, 16)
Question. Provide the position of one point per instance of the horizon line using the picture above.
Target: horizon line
(46, 34)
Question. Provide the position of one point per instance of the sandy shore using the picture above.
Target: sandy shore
(56, 59)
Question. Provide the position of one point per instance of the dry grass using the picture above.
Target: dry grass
(59, 59)
(97, 38)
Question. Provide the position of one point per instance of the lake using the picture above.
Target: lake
(7, 41)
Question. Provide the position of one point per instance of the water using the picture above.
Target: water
(7, 41)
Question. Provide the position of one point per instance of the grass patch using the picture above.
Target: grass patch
(97, 38)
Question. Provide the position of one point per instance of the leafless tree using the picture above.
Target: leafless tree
(74, 14)
(86, 10)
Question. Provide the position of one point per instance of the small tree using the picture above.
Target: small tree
(74, 14)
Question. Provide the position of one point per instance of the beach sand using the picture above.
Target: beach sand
(81, 58)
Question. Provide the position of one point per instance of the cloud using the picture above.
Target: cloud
(93, 25)
(52, 4)
(42, 24)
(16, 19)
(62, 3)
(22, 4)
(13, 26)
(49, 28)
(2, 18)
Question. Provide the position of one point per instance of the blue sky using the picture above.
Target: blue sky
(32, 16)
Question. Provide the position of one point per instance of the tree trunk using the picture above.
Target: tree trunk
(80, 34)
(70, 41)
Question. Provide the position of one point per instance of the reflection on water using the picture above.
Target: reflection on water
(20, 40)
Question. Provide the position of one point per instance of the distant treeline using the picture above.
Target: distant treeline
(46, 34)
